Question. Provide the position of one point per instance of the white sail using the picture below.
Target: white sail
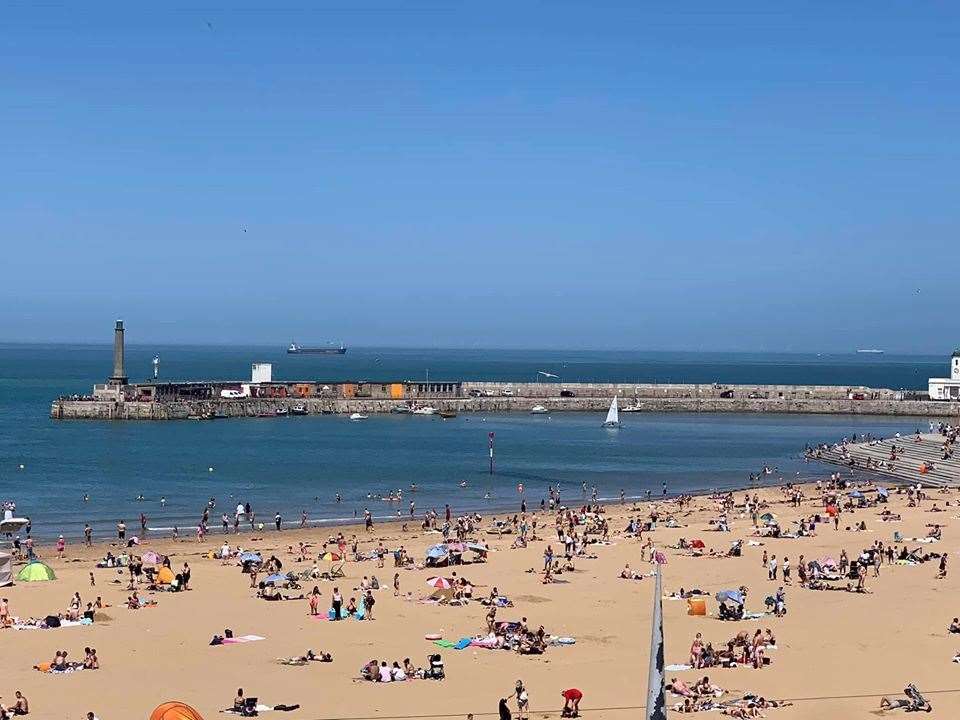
(613, 414)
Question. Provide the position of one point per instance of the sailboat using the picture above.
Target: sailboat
(613, 415)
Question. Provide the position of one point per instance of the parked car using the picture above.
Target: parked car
(567, 393)
(475, 393)
(507, 391)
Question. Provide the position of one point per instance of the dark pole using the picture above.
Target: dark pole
(490, 438)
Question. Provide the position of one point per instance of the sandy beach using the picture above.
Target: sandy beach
(836, 652)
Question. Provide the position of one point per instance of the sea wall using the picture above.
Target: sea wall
(520, 397)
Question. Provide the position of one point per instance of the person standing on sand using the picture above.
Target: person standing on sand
(504, 710)
(523, 700)
(396, 584)
(942, 573)
(337, 603)
(786, 570)
(121, 531)
(61, 546)
(88, 535)
(314, 600)
(278, 520)
(368, 603)
(772, 569)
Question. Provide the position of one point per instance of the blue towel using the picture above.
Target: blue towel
(462, 643)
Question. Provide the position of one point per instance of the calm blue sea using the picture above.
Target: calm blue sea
(300, 463)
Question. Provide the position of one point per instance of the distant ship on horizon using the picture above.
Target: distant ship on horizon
(871, 351)
(295, 349)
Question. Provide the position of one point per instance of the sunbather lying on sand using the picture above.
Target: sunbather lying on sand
(309, 657)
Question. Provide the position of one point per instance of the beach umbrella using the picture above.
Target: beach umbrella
(856, 494)
(883, 492)
(441, 583)
(828, 562)
(436, 551)
(330, 557)
(457, 547)
(477, 547)
(731, 595)
(768, 517)
(152, 557)
(697, 543)
(249, 556)
(175, 711)
(276, 578)
(35, 572)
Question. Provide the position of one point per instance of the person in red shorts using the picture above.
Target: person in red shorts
(571, 703)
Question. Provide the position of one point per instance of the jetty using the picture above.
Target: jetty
(904, 460)
(263, 396)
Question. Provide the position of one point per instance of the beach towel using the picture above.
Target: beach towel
(444, 644)
(678, 667)
(359, 615)
(241, 639)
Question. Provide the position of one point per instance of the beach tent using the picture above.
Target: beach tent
(768, 518)
(35, 572)
(734, 596)
(436, 551)
(6, 569)
(249, 556)
(477, 547)
(152, 557)
(330, 557)
(696, 606)
(697, 543)
(165, 576)
(856, 494)
(276, 579)
(883, 492)
(175, 711)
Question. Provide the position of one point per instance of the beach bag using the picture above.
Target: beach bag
(52, 621)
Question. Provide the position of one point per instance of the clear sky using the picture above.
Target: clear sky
(698, 175)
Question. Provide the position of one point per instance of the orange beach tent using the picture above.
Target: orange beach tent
(165, 576)
(175, 710)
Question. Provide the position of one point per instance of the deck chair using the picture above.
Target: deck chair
(336, 571)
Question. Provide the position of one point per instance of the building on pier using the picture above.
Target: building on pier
(947, 388)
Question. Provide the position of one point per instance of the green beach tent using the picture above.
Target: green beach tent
(35, 572)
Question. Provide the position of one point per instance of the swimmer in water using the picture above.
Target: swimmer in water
(212, 503)
(86, 497)
(163, 501)
(338, 497)
(486, 496)
(139, 498)
(413, 487)
(463, 483)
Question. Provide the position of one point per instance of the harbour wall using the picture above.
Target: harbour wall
(520, 397)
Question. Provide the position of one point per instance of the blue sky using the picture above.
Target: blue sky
(731, 176)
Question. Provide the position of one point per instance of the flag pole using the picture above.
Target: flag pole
(656, 695)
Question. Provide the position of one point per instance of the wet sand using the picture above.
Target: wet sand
(837, 651)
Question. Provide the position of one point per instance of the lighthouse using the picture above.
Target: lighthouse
(119, 377)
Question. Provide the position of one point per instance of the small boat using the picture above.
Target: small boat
(294, 349)
(634, 407)
(447, 414)
(218, 415)
(298, 410)
(10, 524)
(281, 412)
(358, 416)
(425, 410)
(613, 415)
(400, 409)
(538, 410)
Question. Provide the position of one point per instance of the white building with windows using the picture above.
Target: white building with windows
(947, 388)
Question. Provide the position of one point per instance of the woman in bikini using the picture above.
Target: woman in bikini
(696, 651)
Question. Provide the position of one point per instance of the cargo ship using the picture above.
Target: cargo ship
(295, 349)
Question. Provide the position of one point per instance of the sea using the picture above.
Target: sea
(63, 474)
